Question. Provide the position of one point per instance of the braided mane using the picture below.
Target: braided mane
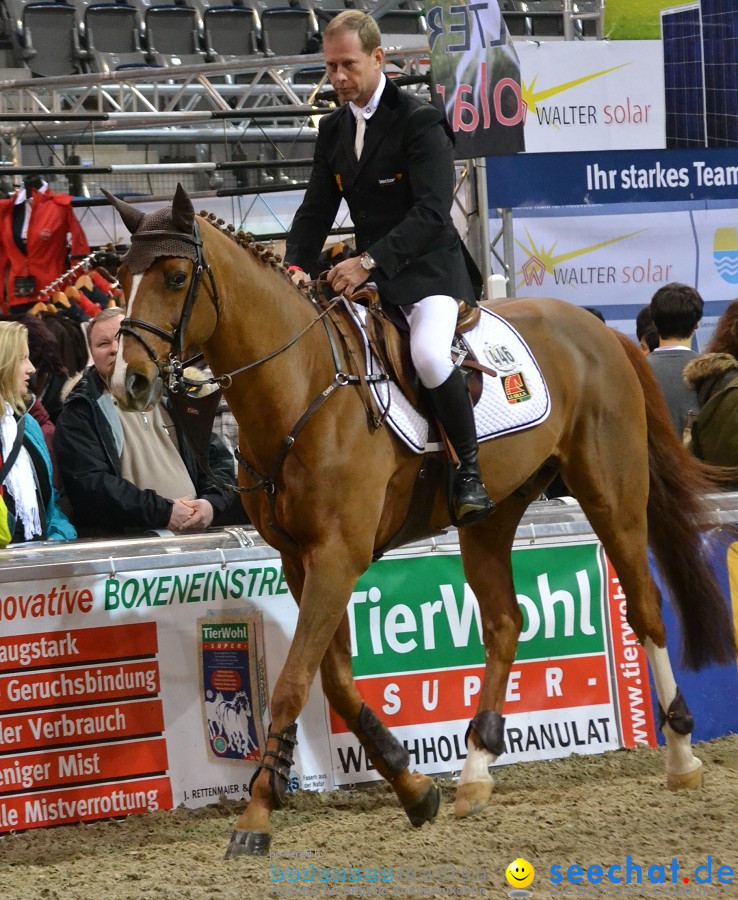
(262, 252)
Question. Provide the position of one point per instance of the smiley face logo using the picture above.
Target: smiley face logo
(520, 873)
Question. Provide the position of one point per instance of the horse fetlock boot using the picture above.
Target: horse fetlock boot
(279, 770)
(683, 769)
(679, 718)
(451, 403)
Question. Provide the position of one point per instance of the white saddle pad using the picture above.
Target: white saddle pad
(517, 399)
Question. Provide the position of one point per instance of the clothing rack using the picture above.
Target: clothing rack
(80, 267)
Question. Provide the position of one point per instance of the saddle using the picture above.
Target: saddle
(387, 330)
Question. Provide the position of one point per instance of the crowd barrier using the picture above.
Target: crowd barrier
(135, 674)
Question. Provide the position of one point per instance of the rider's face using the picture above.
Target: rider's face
(104, 345)
(354, 74)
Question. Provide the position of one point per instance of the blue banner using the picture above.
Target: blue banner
(618, 176)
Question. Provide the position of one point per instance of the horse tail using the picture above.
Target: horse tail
(678, 515)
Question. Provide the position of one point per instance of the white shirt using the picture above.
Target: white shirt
(368, 111)
(20, 197)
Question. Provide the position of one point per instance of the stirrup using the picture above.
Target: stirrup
(469, 506)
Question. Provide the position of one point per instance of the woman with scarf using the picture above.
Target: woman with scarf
(25, 473)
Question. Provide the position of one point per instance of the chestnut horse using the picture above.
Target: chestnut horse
(331, 486)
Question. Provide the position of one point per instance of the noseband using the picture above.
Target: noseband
(172, 372)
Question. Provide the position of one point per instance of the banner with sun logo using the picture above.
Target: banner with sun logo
(592, 95)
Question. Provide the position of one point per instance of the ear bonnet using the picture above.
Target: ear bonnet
(145, 250)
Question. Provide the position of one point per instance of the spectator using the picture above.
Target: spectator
(649, 340)
(646, 332)
(676, 310)
(644, 320)
(132, 470)
(714, 376)
(50, 376)
(27, 480)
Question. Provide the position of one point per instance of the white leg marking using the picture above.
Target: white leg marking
(476, 764)
(118, 381)
(679, 757)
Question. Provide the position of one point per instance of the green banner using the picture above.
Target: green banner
(420, 614)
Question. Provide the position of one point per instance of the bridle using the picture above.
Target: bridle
(172, 373)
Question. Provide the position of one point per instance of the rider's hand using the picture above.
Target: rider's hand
(345, 277)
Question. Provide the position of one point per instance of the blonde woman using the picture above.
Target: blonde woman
(27, 486)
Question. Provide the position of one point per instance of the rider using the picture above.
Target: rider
(390, 156)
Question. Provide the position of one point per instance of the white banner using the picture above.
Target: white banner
(592, 95)
(617, 262)
(147, 688)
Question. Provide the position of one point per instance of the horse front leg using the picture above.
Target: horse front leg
(331, 571)
(418, 794)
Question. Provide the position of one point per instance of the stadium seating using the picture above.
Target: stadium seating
(547, 18)
(172, 35)
(231, 32)
(49, 39)
(286, 31)
(112, 37)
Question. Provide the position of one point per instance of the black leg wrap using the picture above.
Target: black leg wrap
(279, 770)
(679, 717)
(381, 741)
(489, 727)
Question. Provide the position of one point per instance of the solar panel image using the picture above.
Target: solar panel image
(720, 49)
(684, 85)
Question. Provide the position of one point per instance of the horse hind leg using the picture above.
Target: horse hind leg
(486, 550)
(418, 794)
(616, 510)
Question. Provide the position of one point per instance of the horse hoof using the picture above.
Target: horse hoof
(471, 798)
(427, 809)
(686, 781)
(248, 843)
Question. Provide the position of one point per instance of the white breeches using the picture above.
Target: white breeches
(432, 323)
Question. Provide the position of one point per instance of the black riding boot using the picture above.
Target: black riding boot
(452, 405)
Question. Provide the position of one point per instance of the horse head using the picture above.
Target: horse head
(161, 275)
(241, 702)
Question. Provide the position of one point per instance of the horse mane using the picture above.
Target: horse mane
(263, 253)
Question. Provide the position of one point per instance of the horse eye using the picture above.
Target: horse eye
(177, 280)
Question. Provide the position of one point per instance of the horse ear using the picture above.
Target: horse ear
(183, 213)
(130, 215)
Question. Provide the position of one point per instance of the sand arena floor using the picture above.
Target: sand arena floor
(585, 810)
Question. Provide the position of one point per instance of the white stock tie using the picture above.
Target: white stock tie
(359, 140)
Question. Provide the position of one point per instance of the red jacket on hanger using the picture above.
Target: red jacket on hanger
(51, 220)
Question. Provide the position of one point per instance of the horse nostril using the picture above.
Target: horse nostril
(137, 385)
